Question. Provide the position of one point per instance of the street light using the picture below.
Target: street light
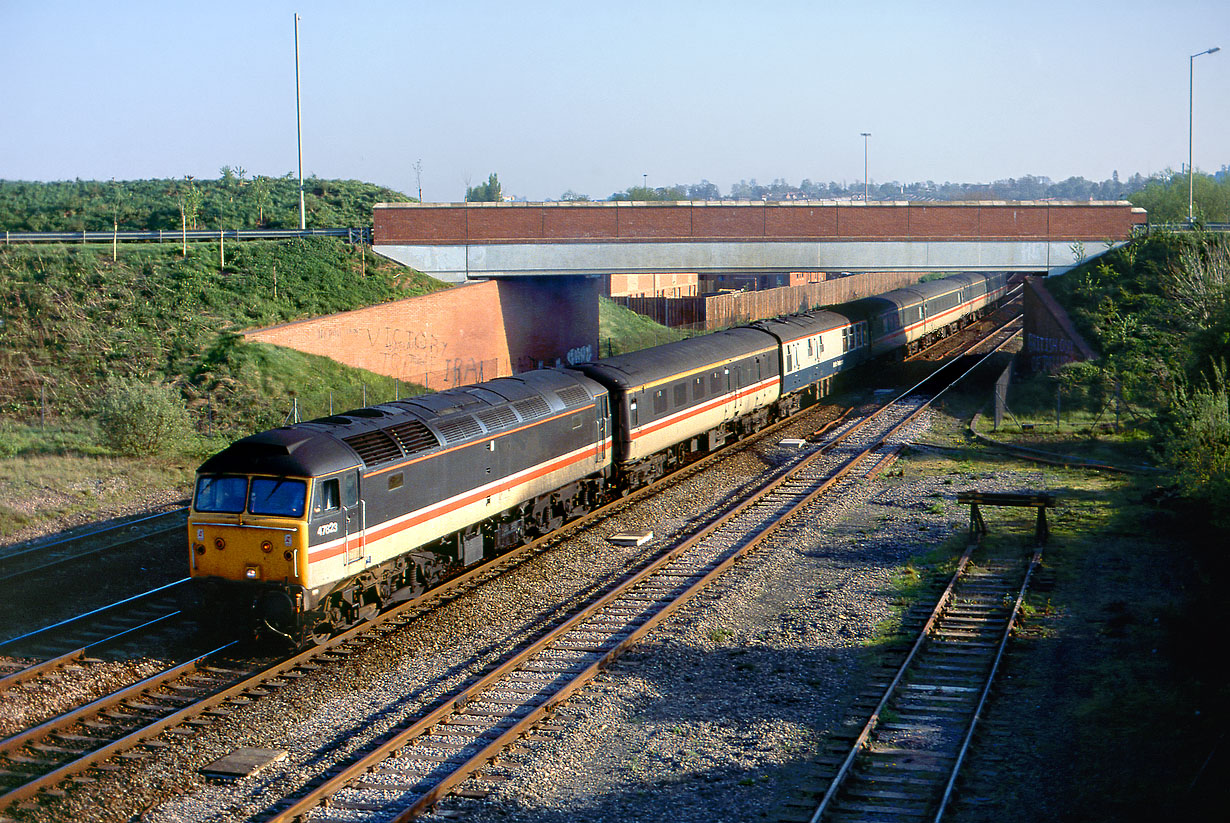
(865, 135)
(1191, 69)
(299, 129)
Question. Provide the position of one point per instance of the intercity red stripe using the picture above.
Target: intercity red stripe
(461, 501)
(650, 428)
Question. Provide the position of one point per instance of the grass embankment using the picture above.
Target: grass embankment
(72, 319)
(621, 330)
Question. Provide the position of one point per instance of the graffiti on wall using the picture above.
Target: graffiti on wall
(390, 339)
(575, 355)
(1048, 353)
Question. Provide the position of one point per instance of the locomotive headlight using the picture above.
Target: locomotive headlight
(219, 543)
(252, 572)
(266, 546)
(199, 548)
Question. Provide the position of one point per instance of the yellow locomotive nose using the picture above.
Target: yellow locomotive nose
(246, 552)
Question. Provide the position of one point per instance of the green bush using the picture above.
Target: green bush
(140, 419)
(1195, 445)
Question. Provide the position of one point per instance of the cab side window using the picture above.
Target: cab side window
(350, 489)
(328, 497)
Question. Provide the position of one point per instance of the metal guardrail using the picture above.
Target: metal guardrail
(1224, 227)
(361, 234)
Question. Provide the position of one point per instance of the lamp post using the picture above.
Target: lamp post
(299, 129)
(1191, 71)
(865, 135)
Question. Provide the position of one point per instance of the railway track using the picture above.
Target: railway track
(1006, 315)
(421, 761)
(206, 685)
(179, 698)
(904, 761)
(46, 555)
(43, 652)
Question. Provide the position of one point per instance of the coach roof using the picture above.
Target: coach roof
(663, 362)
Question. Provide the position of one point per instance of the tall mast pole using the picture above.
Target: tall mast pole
(299, 128)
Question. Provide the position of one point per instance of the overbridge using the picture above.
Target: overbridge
(542, 261)
(468, 241)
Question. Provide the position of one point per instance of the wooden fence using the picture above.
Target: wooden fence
(719, 311)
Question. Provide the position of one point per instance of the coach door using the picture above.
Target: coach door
(604, 421)
(353, 517)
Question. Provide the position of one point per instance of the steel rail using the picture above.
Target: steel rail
(442, 712)
(95, 707)
(38, 547)
(73, 558)
(31, 672)
(102, 609)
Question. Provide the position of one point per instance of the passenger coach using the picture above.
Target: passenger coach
(688, 396)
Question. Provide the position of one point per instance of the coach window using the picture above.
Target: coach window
(636, 419)
(328, 496)
(810, 350)
(659, 401)
(715, 384)
(681, 395)
(698, 388)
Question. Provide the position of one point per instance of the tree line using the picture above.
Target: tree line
(232, 201)
(1163, 194)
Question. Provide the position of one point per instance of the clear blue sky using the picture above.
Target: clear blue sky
(591, 96)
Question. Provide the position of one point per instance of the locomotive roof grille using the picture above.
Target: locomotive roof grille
(532, 408)
(460, 428)
(374, 447)
(573, 396)
(413, 437)
(501, 417)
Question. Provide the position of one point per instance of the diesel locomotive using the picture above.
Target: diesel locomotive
(306, 529)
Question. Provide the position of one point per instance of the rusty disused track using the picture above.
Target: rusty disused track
(904, 761)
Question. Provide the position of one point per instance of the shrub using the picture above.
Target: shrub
(1195, 445)
(140, 419)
